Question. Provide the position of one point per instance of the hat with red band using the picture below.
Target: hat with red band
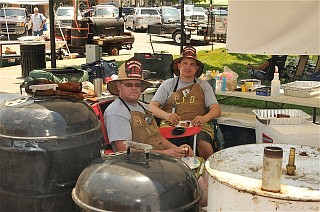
(132, 69)
(188, 52)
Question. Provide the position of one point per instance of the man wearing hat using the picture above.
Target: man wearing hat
(186, 97)
(128, 119)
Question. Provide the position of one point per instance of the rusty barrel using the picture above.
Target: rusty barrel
(79, 33)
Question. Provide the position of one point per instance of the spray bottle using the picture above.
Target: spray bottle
(275, 83)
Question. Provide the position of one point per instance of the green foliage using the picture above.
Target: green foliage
(218, 58)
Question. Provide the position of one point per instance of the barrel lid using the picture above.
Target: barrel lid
(240, 167)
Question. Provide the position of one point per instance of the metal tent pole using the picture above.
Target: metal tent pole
(52, 36)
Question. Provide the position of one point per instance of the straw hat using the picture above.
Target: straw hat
(188, 52)
(132, 69)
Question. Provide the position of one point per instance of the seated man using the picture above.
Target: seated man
(186, 97)
(265, 71)
(128, 119)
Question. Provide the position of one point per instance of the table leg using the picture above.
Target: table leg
(195, 145)
(314, 115)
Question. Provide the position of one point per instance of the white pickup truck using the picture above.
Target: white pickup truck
(13, 21)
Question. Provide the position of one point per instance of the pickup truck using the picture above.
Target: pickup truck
(13, 21)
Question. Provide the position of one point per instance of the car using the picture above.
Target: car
(169, 15)
(127, 10)
(64, 17)
(105, 10)
(141, 17)
(195, 14)
(13, 21)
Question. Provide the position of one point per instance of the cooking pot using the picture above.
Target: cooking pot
(137, 181)
(45, 143)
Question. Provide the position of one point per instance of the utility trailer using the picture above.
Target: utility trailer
(193, 30)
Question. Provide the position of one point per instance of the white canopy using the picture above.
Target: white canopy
(32, 2)
(280, 27)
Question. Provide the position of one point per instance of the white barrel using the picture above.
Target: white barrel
(235, 179)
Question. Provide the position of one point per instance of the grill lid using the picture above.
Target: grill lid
(46, 117)
(137, 182)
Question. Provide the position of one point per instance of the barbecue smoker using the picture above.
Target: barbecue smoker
(104, 28)
(45, 143)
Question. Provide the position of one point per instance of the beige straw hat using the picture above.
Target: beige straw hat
(132, 69)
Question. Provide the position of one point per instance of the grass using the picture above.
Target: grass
(218, 58)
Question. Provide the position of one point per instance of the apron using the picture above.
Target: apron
(188, 102)
(144, 128)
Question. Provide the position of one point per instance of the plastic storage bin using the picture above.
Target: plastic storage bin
(276, 116)
(303, 134)
(302, 88)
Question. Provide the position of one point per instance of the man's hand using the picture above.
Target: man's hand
(173, 118)
(179, 152)
(198, 121)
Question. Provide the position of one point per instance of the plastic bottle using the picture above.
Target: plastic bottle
(224, 83)
(218, 81)
(275, 83)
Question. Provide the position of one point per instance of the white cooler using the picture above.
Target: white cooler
(307, 133)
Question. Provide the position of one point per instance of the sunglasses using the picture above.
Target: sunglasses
(130, 84)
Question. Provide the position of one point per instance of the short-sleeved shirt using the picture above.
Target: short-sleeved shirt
(118, 118)
(37, 21)
(167, 87)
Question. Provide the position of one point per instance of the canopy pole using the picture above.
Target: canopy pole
(183, 37)
(52, 36)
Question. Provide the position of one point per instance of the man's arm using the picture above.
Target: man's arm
(173, 118)
(119, 145)
(171, 149)
(214, 112)
(263, 66)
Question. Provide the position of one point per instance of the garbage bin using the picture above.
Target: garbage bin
(32, 56)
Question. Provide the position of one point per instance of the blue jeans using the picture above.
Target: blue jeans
(257, 74)
(39, 32)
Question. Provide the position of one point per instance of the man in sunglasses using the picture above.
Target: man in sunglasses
(128, 119)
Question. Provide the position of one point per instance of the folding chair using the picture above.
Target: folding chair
(99, 109)
(303, 60)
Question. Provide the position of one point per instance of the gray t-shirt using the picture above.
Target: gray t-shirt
(166, 89)
(117, 119)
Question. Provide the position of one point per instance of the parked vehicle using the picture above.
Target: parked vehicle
(195, 14)
(13, 21)
(127, 10)
(141, 17)
(65, 15)
(169, 15)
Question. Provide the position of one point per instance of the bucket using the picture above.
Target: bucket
(79, 33)
(235, 180)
